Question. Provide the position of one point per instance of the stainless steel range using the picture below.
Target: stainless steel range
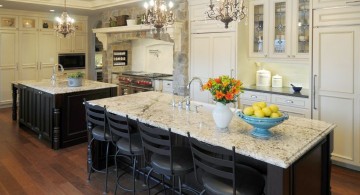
(137, 81)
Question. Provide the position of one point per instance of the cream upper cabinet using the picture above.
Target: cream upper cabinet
(333, 3)
(336, 67)
(279, 29)
(75, 43)
(8, 22)
(8, 64)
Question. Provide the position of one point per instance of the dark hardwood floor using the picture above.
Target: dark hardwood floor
(29, 166)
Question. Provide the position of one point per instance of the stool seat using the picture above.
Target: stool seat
(136, 145)
(182, 162)
(98, 134)
(249, 182)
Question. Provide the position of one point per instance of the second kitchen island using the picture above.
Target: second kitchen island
(57, 112)
(296, 160)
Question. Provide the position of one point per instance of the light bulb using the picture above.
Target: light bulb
(171, 4)
(162, 7)
(152, 3)
(146, 5)
(58, 20)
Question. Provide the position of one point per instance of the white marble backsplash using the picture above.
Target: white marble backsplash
(61, 86)
(291, 139)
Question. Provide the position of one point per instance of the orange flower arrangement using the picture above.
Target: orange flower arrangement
(224, 89)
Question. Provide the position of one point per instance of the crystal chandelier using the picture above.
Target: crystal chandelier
(158, 14)
(65, 24)
(227, 11)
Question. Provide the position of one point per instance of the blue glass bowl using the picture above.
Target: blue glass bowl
(262, 125)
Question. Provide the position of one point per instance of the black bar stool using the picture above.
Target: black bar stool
(165, 159)
(96, 125)
(218, 172)
(128, 145)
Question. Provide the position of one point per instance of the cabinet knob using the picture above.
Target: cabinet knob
(253, 96)
(293, 56)
(289, 101)
(289, 56)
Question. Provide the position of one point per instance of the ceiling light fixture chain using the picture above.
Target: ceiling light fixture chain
(227, 11)
(158, 14)
(65, 24)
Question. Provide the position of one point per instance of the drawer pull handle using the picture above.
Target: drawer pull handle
(253, 96)
(289, 101)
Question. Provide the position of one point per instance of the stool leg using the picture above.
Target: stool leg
(90, 159)
(180, 186)
(134, 171)
(106, 166)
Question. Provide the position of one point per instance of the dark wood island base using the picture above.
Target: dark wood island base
(60, 117)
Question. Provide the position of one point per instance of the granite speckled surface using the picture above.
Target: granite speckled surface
(304, 93)
(290, 141)
(62, 87)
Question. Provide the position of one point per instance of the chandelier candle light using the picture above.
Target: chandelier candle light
(65, 24)
(227, 11)
(158, 13)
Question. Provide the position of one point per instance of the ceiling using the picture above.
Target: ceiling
(79, 7)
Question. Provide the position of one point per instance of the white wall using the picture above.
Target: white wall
(152, 56)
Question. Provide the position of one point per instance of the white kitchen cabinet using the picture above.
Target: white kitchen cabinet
(294, 106)
(73, 44)
(333, 3)
(212, 55)
(279, 29)
(37, 54)
(167, 86)
(336, 67)
(8, 63)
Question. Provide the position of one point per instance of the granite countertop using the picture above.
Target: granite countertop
(169, 78)
(304, 93)
(291, 139)
(61, 86)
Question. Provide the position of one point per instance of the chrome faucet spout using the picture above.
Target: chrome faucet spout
(53, 76)
(194, 78)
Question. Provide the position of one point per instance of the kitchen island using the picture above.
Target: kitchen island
(296, 157)
(56, 112)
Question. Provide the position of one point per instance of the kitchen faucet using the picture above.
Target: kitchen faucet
(53, 77)
(188, 87)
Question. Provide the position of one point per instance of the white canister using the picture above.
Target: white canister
(277, 81)
(263, 78)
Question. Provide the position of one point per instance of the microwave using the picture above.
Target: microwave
(72, 60)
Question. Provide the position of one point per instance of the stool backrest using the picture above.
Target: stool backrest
(95, 115)
(157, 141)
(215, 160)
(119, 126)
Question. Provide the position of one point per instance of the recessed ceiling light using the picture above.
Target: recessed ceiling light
(1, 5)
(51, 10)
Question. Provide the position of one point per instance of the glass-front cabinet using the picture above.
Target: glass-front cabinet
(279, 29)
(8, 22)
(301, 29)
(28, 23)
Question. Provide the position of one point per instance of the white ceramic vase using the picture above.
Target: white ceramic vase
(222, 116)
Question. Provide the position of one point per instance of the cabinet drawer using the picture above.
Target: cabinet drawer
(255, 96)
(337, 16)
(167, 86)
(290, 101)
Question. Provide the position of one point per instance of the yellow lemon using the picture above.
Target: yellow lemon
(259, 114)
(261, 104)
(256, 107)
(274, 115)
(274, 108)
(266, 111)
(279, 113)
(255, 104)
(248, 111)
